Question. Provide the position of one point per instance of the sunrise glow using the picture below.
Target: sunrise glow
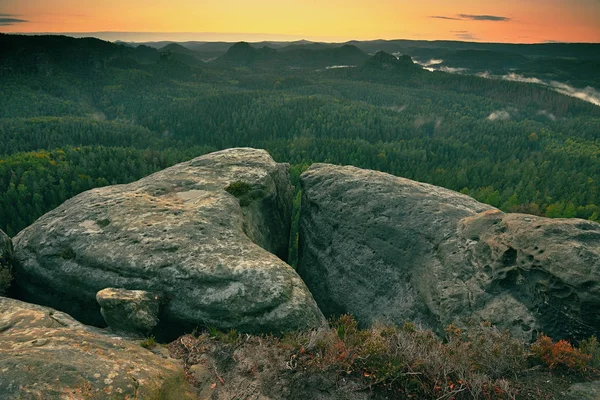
(519, 21)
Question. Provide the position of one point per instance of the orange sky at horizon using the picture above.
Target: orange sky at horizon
(516, 21)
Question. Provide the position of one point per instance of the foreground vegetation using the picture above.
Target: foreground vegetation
(402, 362)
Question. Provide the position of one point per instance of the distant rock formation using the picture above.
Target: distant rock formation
(46, 354)
(204, 234)
(294, 56)
(391, 249)
(385, 61)
(243, 53)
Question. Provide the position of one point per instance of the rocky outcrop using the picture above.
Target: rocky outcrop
(46, 354)
(390, 249)
(6, 254)
(585, 391)
(205, 235)
(129, 311)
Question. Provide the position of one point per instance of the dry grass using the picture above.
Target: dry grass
(344, 361)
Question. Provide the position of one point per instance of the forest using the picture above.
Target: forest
(82, 113)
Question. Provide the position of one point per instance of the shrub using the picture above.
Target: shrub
(238, 188)
(591, 347)
(149, 343)
(6, 278)
(414, 362)
(560, 354)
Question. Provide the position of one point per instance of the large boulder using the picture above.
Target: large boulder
(390, 249)
(205, 235)
(46, 354)
(6, 255)
(129, 311)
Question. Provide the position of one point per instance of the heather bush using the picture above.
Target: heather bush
(404, 362)
(415, 362)
(560, 355)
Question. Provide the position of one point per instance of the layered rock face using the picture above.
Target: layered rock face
(389, 249)
(204, 235)
(46, 354)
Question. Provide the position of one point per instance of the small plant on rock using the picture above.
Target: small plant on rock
(148, 343)
(238, 188)
(6, 278)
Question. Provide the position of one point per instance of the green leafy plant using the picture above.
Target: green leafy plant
(6, 278)
(148, 343)
(238, 188)
(591, 347)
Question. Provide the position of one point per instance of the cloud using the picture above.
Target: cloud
(434, 65)
(431, 62)
(466, 36)
(452, 70)
(547, 114)
(11, 21)
(588, 94)
(442, 17)
(493, 18)
(499, 116)
(462, 17)
(520, 78)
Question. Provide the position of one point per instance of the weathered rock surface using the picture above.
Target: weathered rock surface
(178, 233)
(389, 249)
(46, 354)
(130, 311)
(585, 391)
(6, 255)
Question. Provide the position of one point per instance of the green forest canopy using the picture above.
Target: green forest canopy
(77, 115)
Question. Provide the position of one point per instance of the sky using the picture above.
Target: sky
(515, 21)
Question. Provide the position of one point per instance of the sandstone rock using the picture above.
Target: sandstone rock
(6, 254)
(585, 391)
(46, 354)
(131, 311)
(389, 249)
(179, 233)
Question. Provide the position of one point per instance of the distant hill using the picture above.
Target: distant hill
(243, 53)
(43, 53)
(298, 56)
(50, 54)
(181, 54)
(177, 48)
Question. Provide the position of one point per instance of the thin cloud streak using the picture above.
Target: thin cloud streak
(493, 18)
(11, 21)
(466, 36)
(471, 17)
(442, 17)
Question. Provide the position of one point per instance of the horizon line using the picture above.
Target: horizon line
(291, 37)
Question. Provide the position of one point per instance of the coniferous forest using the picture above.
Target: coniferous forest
(82, 113)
